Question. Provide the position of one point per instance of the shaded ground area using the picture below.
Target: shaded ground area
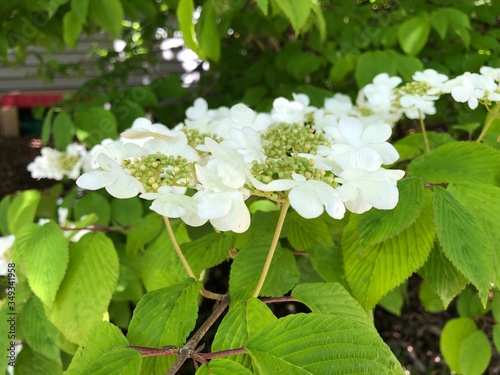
(413, 337)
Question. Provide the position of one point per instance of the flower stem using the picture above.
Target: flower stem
(177, 248)
(424, 131)
(272, 249)
(493, 117)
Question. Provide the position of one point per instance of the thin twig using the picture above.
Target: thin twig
(195, 339)
(279, 299)
(424, 132)
(178, 248)
(272, 249)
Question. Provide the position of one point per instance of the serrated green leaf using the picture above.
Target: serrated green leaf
(319, 344)
(394, 300)
(63, 130)
(469, 305)
(327, 261)
(164, 317)
(453, 335)
(475, 354)
(95, 124)
(80, 8)
(458, 162)
(375, 270)
(331, 298)
(86, 290)
(108, 14)
(243, 319)
(4, 208)
(43, 251)
(413, 145)
(304, 234)
(378, 225)
(93, 202)
(207, 252)
(429, 298)
(22, 210)
(72, 27)
(29, 362)
(47, 126)
(38, 332)
(263, 6)
(442, 275)
(296, 12)
(248, 265)
(369, 64)
(463, 241)
(483, 202)
(413, 34)
(102, 338)
(223, 366)
(209, 32)
(117, 362)
(185, 10)
(144, 231)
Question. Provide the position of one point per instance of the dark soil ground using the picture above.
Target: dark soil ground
(413, 337)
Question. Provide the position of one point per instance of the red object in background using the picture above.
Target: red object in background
(29, 100)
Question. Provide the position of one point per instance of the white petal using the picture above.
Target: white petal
(213, 205)
(305, 202)
(96, 180)
(125, 187)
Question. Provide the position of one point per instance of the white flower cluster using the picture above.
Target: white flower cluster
(56, 165)
(206, 168)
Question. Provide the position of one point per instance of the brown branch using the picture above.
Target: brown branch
(279, 299)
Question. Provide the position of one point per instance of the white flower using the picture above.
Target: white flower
(325, 123)
(434, 79)
(198, 116)
(412, 104)
(309, 197)
(56, 165)
(171, 202)
(178, 148)
(116, 180)
(144, 132)
(471, 87)
(490, 72)
(290, 112)
(305, 101)
(380, 93)
(224, 206)
(339, 105)
(241, 116)
(359, 147)
(5, 246)
(362, 189)
(116, 150)
(247, 142)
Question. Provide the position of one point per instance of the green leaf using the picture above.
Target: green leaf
(475, 354)
(243, 319)
(414, 33)
(43, 251)
(394, 300)
(126, 212)
(126, 112)
(304, 234)
(207, 252)
(209, 32)
(72, 27)
(93, 202)
(406, 66)
(38, 332)
(342, 68)
(327, 261)
(95, 124)
(320, 19)
(30, 362)
(303, 65)
(483, 202)
(429, 298)
(442, 275)
(4, 208)
(247, 267)
(463, 241)
(185, 10)
(496, 336)
(47, 126)
(169, 87)
(223, 366)
(296, 12)
(453, 335)
(117, 362)
(369, 64)
(63, 129)
(263, 6)
(376, 226)
(413, 145)
(469, 305)
(108, 14)
(102, 338)
(80, 8)
(374, 270)
(262, 226)
(439, 21)
(144, 231)
(331, 298)
(86, 290)
(458, 162)
(22, 210)
(320, 344)
(164, 317)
